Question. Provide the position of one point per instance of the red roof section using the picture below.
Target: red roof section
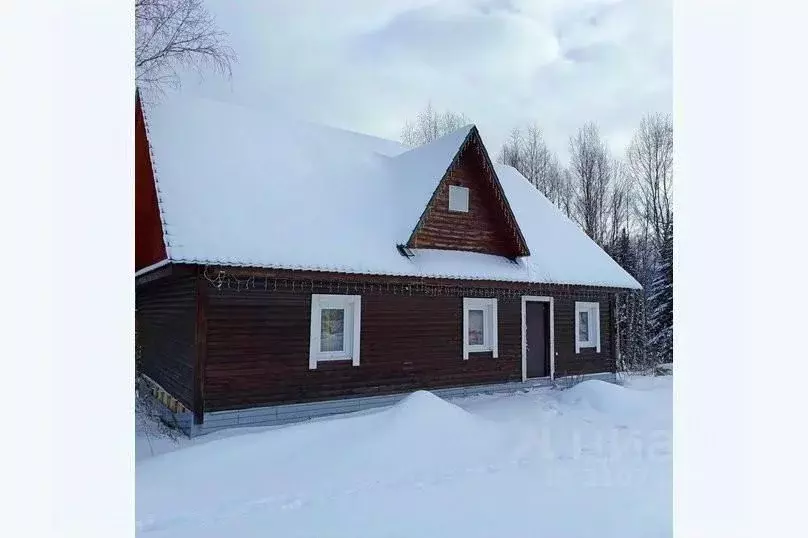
(149, 245)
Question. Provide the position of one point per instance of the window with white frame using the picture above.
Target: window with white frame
(479, 326)
(458, 198)
(335, 325)
(587, 326)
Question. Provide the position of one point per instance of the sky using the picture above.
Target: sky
(370, 65)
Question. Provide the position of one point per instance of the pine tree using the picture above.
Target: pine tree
(630, 307)
(661, 302)
(623, 253)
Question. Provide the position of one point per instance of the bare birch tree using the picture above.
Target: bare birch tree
(618, 212)
(591, 169)
(555, 187)
(650, 165)
(540, 163)
(170, 34)
(430, 125)
(565, 199)
(511, 152)
(528, 153)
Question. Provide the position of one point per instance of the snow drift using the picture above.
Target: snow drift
(602, 396)
(636, 401)
(423, 427)
(405, 440)
(423, 412)
(425, 467)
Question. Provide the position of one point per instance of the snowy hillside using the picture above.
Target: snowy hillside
(592, 460)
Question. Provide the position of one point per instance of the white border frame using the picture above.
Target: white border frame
(538, 299)
(581, 306)
(482, 303)
(317, 302)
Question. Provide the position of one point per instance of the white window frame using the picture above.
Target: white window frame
(594, 326)
(352, 304)
(490, 326)
(458, 198)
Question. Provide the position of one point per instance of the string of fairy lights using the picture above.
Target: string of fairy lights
(227, 279)
(221, 279)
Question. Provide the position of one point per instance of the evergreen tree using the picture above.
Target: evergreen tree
(623, 253)
(630, 308)
(626, 206)
(661, 302)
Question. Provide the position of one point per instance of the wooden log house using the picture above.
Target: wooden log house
(286, 270)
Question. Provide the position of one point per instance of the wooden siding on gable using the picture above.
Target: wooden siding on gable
(149, 245)
(485, 228)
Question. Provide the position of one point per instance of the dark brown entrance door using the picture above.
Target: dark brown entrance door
(537, 325)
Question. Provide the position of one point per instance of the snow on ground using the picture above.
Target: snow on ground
(591, 460)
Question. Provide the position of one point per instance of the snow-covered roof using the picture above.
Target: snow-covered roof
(249, 187)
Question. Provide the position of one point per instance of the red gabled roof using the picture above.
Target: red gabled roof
(149, 244)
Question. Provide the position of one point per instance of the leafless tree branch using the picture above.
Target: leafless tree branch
(591, 169)
(528, 153)
(650, 165)
(170, 34)
(430, 125)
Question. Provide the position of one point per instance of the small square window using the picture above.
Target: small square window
(458, 199)
(587, 326)
(479, 326)
(335, 324)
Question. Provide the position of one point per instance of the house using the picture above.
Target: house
(286, 270)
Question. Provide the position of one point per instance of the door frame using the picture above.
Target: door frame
(542, 299)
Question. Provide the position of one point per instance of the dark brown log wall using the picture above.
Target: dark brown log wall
(483, 228)
(258, 342)
(166, 320)
(149, 246)
(587, 361)
(258, 349)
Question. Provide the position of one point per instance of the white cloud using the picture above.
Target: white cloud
(369, 65)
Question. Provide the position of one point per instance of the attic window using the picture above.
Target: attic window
(458, 199)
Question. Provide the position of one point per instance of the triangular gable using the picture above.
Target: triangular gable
(489, 226)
